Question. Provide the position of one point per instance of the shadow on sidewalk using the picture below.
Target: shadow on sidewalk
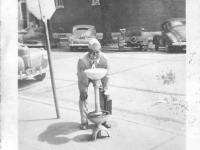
(55, 134)
(37, 120)
(26, 83)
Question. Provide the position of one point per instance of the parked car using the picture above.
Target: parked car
(173, 34)
(32, 62)
(133, 37)
(81, 34)
(35, 37)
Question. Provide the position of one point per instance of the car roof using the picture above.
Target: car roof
(83, 26)
(132, 28)
(173, 19)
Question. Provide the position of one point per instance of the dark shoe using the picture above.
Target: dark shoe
(107, 124)
(83, 126)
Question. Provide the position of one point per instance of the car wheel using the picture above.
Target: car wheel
(167, 48)
(143, 48)
(40, 77)
(57, 44)
(44, 46)
(121, 48)
(156, 47)
(71, 49)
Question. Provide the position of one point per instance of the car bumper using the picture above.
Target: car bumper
(22, 76)
(132, 44)
(179, 44)
(78, 45)
(34, 45)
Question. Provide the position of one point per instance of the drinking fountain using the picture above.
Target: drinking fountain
(98, 116)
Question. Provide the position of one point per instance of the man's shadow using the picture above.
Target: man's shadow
(55, 134)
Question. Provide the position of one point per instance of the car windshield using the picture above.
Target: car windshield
(177, 23)
(86, 32)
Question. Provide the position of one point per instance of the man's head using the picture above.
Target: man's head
(94, 49)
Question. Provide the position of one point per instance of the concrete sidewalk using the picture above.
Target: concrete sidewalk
(39, 129)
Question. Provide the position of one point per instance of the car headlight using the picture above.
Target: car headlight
(45, 56)
(39, 42)
(41, 48)
(172, 37)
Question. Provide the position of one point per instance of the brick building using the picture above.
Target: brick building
(124, 13)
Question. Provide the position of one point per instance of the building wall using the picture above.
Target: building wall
(76, 12)
(124, 13)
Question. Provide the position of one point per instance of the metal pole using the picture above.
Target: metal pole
(51, 68)
(49, 59)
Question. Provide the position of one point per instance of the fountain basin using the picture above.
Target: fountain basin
(98, 119)
(95, 74)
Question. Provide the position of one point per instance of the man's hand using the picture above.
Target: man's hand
(98, 83)
(83, 96)
(106, 92)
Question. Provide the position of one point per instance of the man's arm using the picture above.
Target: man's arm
(105, 79)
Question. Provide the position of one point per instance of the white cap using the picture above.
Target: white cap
(94, 45)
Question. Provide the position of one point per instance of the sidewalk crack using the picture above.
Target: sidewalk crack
(165, 142)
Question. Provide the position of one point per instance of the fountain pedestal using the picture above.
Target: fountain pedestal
(98, 116)
(98, 120)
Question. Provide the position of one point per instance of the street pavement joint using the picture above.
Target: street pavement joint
(164, 142)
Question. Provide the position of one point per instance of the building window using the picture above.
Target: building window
(23, 10)
(59, 4)
(95, 2)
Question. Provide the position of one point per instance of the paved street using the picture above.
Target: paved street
(147, 89)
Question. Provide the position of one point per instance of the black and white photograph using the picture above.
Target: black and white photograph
(100, 75)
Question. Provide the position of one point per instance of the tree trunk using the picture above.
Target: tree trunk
(105, 11)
